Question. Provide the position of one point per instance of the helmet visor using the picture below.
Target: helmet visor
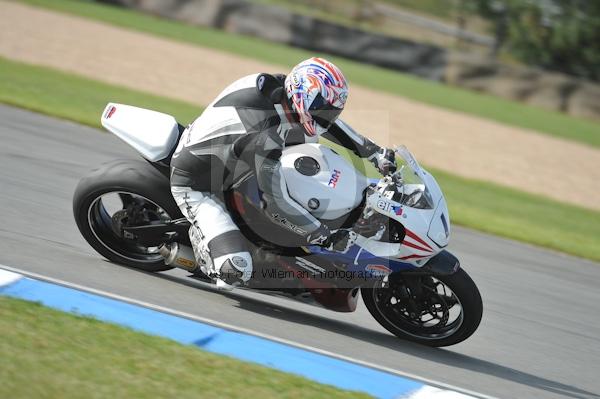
(323, 112)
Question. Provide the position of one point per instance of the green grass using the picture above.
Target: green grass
(79, 99)
(504, 111)
(50, 354)
(480, 205)
(521, 216)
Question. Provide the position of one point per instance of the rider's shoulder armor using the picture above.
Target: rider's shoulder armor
(271, 86)
(251, 97)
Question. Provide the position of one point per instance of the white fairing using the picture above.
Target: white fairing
(439, 229)
(153, 134)
(337, 187)
(427, 226)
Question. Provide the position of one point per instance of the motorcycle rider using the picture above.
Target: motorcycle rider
(249, 124)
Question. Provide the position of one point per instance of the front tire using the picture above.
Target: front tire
(145, 196)
(390, 305)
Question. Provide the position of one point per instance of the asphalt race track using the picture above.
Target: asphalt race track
(539, 338)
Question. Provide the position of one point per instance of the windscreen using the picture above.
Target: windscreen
(410, 179)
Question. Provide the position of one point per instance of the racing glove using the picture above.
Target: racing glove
(385, 161)
(340, 240)
(320, 236)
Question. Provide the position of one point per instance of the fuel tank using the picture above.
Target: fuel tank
(322, 181)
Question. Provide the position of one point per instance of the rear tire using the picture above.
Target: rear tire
(135, 178)
(468, 297)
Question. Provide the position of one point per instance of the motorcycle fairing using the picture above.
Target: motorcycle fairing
(153, 134)
(361, 262)
(366, 263)
(324, 183)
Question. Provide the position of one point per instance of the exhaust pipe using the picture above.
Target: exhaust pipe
(180, 256)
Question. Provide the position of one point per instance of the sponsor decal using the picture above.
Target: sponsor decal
(335, 177)
(188, 264)
(311, 267)
(286, 223)
(313, 203)
(378, 270)
(318, 240)
(110, 112)
(389, 207)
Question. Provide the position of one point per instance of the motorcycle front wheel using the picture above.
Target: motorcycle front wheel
(431, 310)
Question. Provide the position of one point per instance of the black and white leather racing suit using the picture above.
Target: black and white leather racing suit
(245, 127)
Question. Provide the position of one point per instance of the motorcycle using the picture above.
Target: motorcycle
(408, 281)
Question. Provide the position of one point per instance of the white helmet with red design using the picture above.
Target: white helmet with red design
(317, 91)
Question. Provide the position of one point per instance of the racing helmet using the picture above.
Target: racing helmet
(317, 91)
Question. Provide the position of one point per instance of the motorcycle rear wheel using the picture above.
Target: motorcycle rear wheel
(144, 194)
(455, 310)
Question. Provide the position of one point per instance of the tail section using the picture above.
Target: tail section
(153, 134)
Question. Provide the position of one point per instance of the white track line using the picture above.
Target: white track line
(246, 331)
(7, 277)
